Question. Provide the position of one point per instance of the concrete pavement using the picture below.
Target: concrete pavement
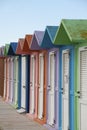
(11, 120)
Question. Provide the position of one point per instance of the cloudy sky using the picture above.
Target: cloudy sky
(20, 17)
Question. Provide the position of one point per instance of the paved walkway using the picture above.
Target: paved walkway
(11, 120)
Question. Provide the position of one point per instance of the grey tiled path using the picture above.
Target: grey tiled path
(11, 120)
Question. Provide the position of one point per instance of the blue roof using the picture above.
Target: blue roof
(12, 48)
(48, 37)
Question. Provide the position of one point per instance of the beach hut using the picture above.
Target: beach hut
(77, 35)
(52, 77)
(25, 69)
(13, 74)
(41, 77)
(6, 77)
(81, 83)
(34, 63)
(66, 74)
(19, 52)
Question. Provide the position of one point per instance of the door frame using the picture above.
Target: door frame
(78, 47)
(19, 85)
(65, 51)
(31, 74)
(56, 87)
(41, 55)
(71, 87)
(43, 120)
(27, 103)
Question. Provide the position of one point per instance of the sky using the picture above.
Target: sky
(21, 17)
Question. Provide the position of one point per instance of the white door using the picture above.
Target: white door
(65, 87)
(32, 84)
(4, 78)
(82, 89)
(41, 86)
(8, 79)
(51, 88)
(11, 81)
(23, 89)
(16, 81)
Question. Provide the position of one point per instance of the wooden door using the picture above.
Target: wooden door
(41, 86)
(65, 87)
(51, 104)
(4, 78)
(8, 69)
(10, 66)
(82, 89)
(32, 84)
(16, 81)
(23, 88)
(11, 80)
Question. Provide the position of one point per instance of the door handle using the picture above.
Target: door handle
(39, 85)
(49, 87)
(78, 92)
(24, 86)
(62, 90)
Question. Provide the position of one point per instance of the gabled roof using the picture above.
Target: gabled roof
(71, 31)
(48, 38)
(19, 46)
(28, 39)
(26, 45)
(2, 51)
(23, 45)
(12, 48)
(36, 40)
(6, 48)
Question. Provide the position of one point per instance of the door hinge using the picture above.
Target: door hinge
(42, 115)
(54, 121)
(69, 53)
(54, 54)
(34, 57)
(68, 128)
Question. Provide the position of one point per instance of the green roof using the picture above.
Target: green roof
(71, 31)
(6, 48)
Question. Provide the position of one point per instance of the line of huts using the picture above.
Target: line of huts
(45, 75)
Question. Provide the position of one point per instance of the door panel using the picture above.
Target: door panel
(41, 86)
(65, 86)
(32, 84)
(51, 105)
(82, 95)
(12, 70)
(4, 78)
(23, 91)
(7, 78)
(11, 76)
(16, 81)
